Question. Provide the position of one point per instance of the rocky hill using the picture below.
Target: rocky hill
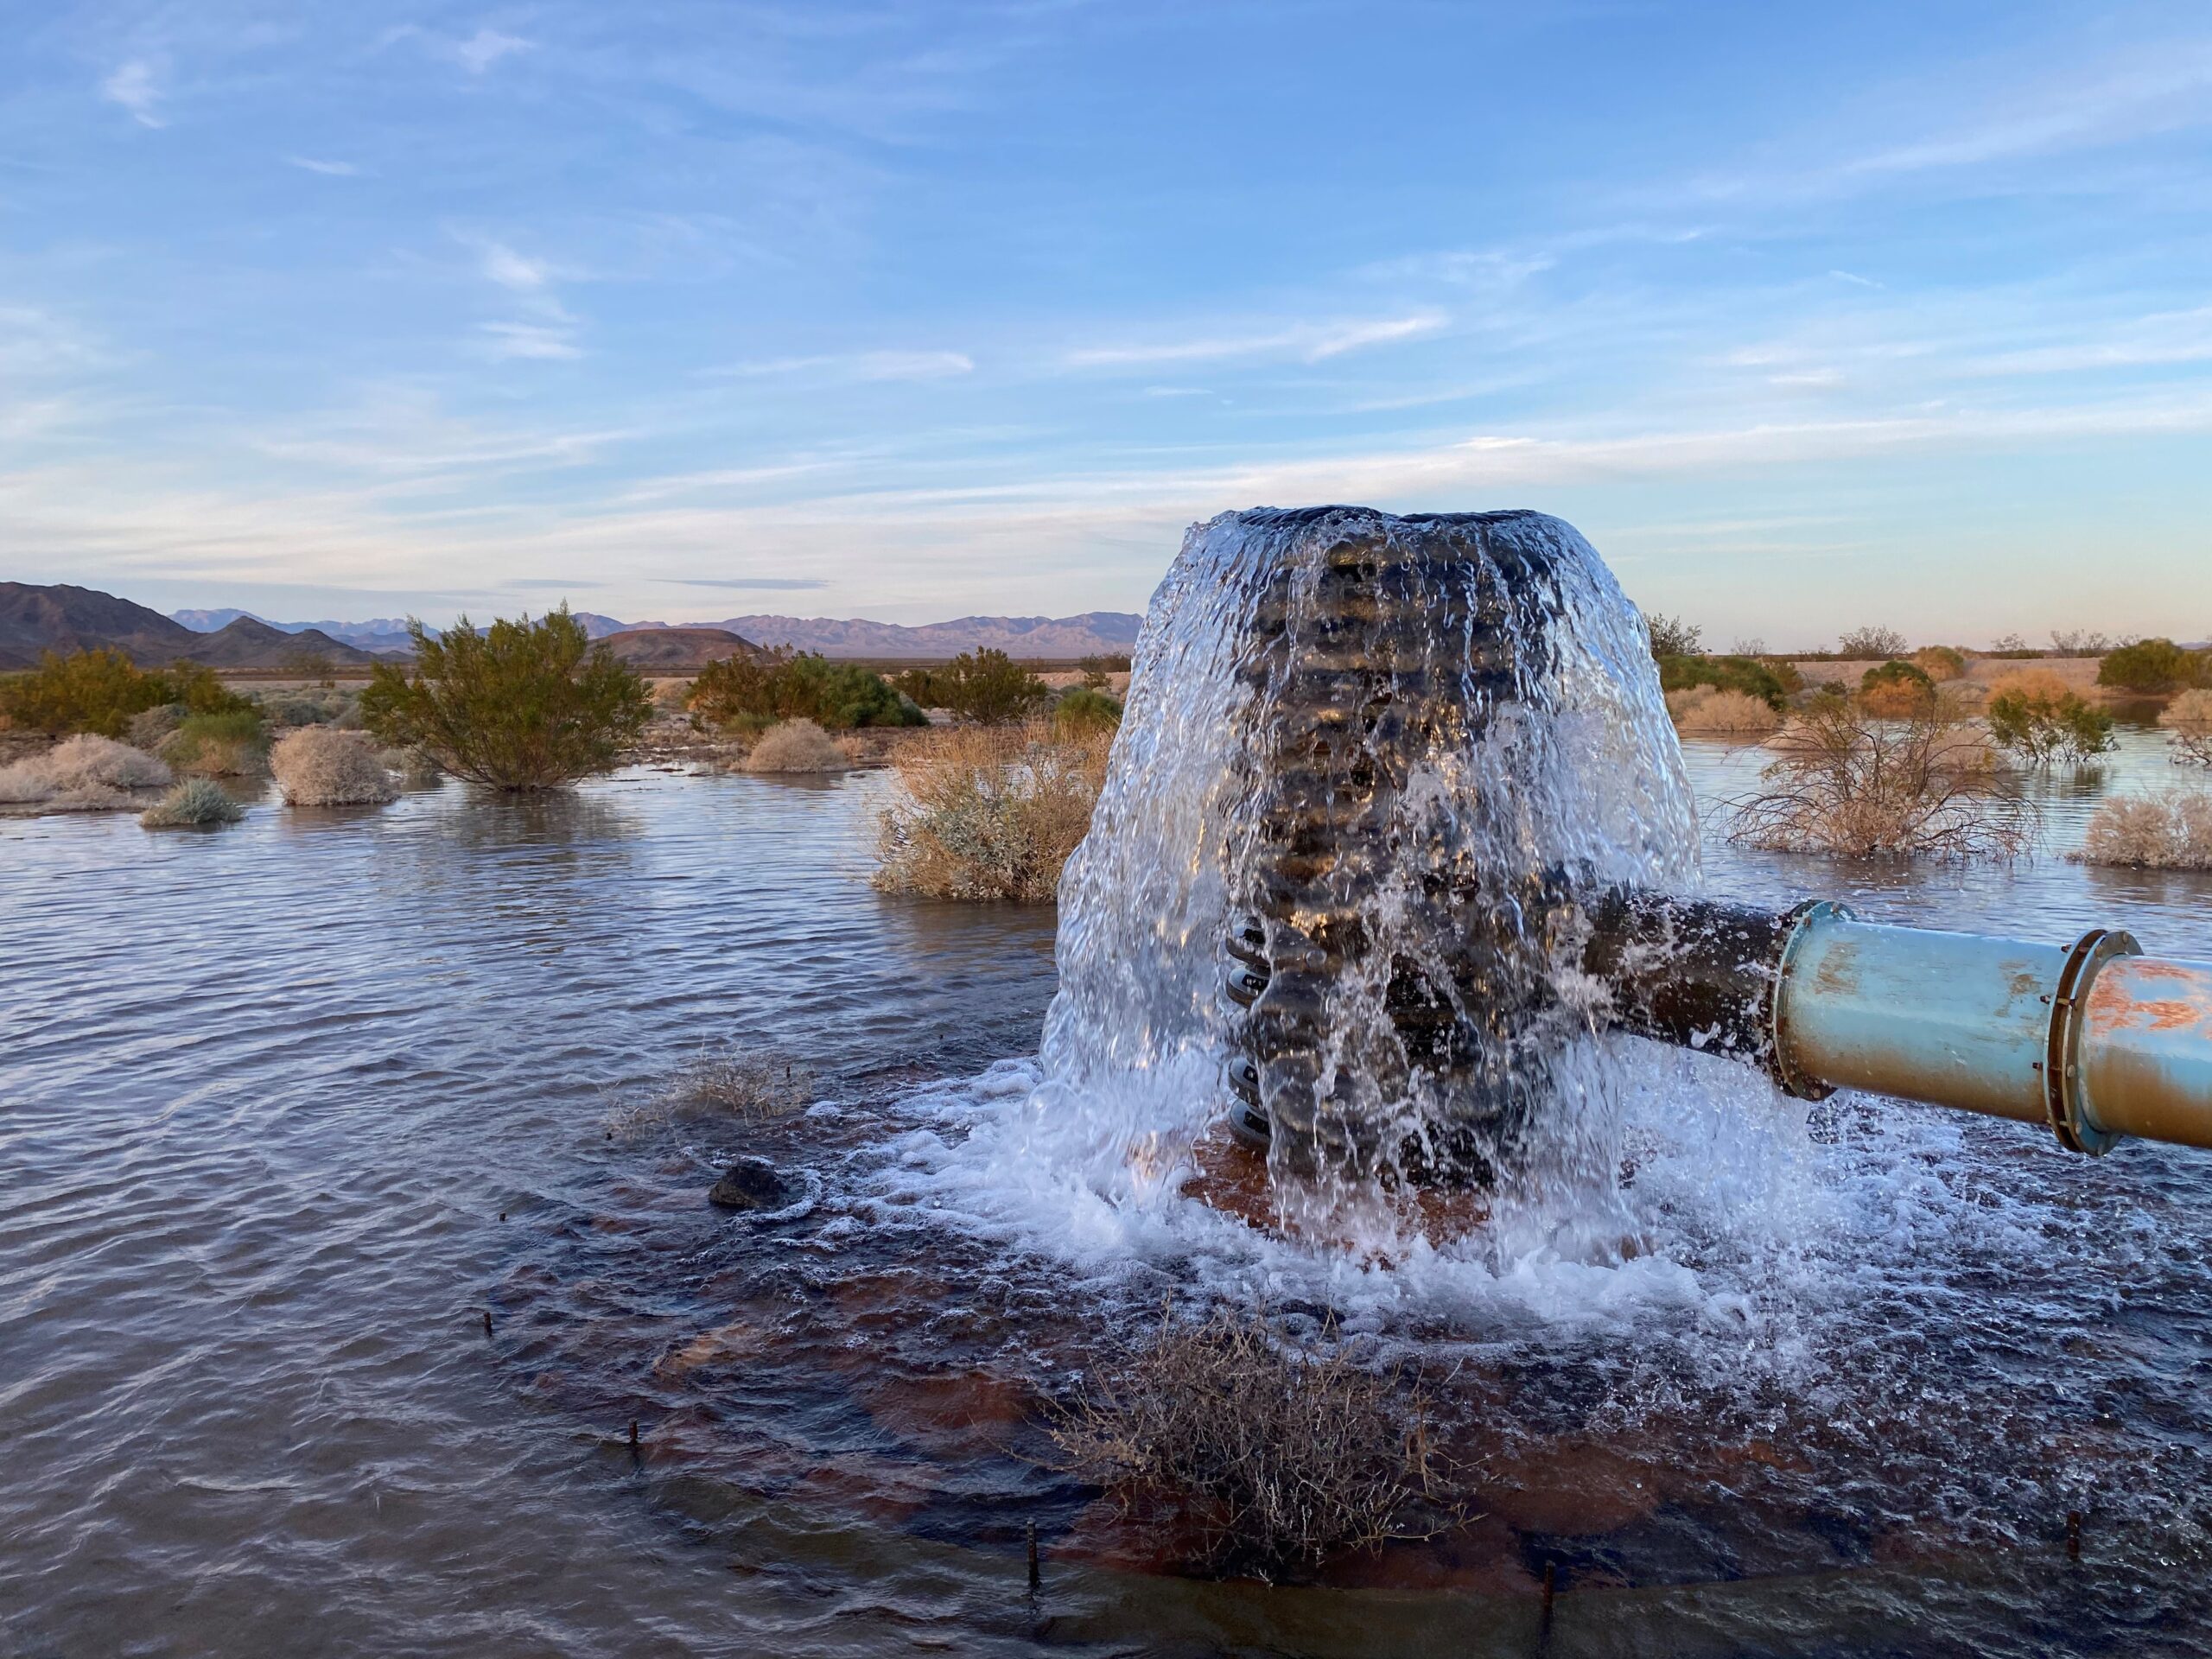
(379, 633)
(35, 619)
(675, 650)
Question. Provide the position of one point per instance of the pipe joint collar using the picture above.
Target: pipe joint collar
(2065, 1094)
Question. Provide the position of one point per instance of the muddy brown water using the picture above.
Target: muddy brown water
(286, 1108)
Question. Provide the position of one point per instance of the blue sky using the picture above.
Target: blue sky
(1808, 317)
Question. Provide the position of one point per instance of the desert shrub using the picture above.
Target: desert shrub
(101, 691)
(148, 726)
(2035, 683)
(1849, 783)
(323, 707)
(796, 746)
(1097, 672)
(194, 801)
(2152, 832)
(1702, 710)
(2188, 717)
(2080, 642)
(1745, 674)
(522, 705)
(989, 812)
(1670, 636)
(1896, 690)
(320, 765)
(981, 685)
(2043, 729)
(755, 692)
(1084, 710)
(1940, 663)
(1862, 643)
(2151, 666)
(229, 745)
(1268, 1456)
(87, 771)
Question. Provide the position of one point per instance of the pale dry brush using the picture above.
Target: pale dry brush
(86, 772)
(1845, 782)
(2168, 831)
(1263, 1455)
(1704, 710)
(2189, 719)
(989, 812)
(797, 745)
(323, 765)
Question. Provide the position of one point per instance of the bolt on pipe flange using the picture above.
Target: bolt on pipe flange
(2065, 1098)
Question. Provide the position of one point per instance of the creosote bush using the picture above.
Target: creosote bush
(2151, 666)
(1670, 636)
(797, 745)
(101, 691)
(1766, 681)
(196, 801)
(1270, 1457)
(522, 705)
(1701, 711)
(989, 812)
(2152, 832)
(1940, 663)
(1861, 643)
(1848, 782)
(2043, 729)
(2189, 718)
(983, 686)
(86, 772)
(1083, 711)
(753, 693)
(320, 765)
(228, 745)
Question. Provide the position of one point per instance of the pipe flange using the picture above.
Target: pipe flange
(2065, 1101)
(1800, 1085)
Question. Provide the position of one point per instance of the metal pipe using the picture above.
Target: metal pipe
(2096, 1040)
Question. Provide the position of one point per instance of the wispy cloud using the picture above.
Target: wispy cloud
(857, 366)
(1853, 277)
(552, 343)
(485, 47)
(133, 85)
(1307, 342)
(328, 169)
(552, 583)
(770, 584)
(546, 331)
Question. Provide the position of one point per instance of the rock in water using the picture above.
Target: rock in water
(751, 1184)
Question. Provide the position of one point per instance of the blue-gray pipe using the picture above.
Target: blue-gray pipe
(2096, 1040)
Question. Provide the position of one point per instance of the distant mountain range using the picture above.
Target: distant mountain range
(37, 619)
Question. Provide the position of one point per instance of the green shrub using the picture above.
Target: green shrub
(1941, 663)
(756, 692)
(2042, 727)
(1896, 689)
(196, 801)
(1670, 636)
(2151, 666)
(223, 744)
(986, 685)
(1085, 710)
(1097, 669)
(1745, 674)
(101, 691)
(1871, 642)
(522, 705)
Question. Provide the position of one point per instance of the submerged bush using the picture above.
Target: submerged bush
(414, 768)
(320, 765)
(755, 692)
(2188, 717)
(1745, 674)
(228, 745)
(989, 812)
(522, 705)
(194, 801)
(1701, 711)
(746, 1086)
(86, 772)
(2043, 729)
(983, 686)
(101, 691)
(1085, 710)
(797, 745)
(1850, 783)
(1270, 1456)
(2151, 832)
